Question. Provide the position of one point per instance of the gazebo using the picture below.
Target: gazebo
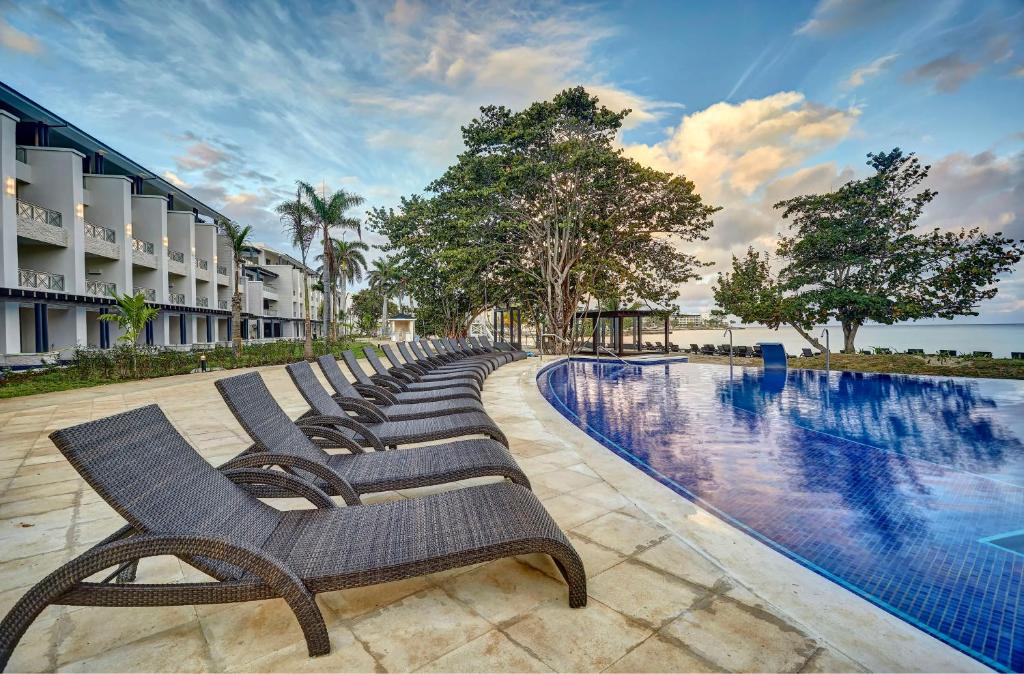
(402, 327)
(610, 333)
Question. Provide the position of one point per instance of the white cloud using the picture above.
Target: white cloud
(946, 73)
(174, 179)
(836, 16)
(18, 41)
(860, 75)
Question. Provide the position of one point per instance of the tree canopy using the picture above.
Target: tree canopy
(544, 211)
(857, 254)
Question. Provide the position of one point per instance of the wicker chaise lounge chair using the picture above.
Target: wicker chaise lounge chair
(370, 427)
(478, 343)
(424, 381)
(479, 354)
(402, 392)
(279, 441)
(178, 504)
(389, 403)
(428, 368)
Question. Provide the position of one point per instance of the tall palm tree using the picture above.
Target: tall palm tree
(350, 263)
(384, 278)
(329, 213)
(239, 238)
(299, 222)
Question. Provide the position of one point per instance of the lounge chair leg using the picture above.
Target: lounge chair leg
(571, 567)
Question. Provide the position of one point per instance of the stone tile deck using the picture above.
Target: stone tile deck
(671, 587)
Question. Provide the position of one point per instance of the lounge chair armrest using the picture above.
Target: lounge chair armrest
(403, 375)
(343, 422)
(380, 394)
(415, 368)
(388, 379)
(328, 438)
(337, 482)
(275, 478)
(364, 409)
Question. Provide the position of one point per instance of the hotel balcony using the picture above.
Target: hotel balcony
(148, 293)
(222, 275)
(202, 301)
(143, 253)
(224, 304)
(176, 298)
(176, 262)
(41, 224)
(40, 280)
(101, 241)
(100, 288)
(202, 269)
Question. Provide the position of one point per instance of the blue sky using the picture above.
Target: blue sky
(754, 101)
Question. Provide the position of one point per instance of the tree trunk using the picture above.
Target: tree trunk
(384, 318)
(236, 315)
(809, 337)
(326, 282)
(307, 349)
(344, 299)
(849, 335)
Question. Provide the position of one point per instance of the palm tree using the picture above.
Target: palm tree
(383, 278)
(299, 222)
(329, 213)
(239, 237)
(131, 313)
(350, 264)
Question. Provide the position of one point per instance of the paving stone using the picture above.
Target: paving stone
(622, 533)
(661, 655)
(650, 596)
(492, 652)
(504, 589)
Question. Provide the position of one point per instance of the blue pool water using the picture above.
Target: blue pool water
(899, 488)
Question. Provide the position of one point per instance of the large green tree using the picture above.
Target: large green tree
(238, 237)
(858, 254)
(545, 209)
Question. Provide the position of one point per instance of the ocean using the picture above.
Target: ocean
(1000, 339)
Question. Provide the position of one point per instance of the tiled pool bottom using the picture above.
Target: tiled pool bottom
(892, 486)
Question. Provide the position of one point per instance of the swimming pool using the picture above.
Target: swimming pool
(906, 490)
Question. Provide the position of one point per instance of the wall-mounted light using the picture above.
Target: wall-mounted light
(193, 251)
(128, 228)
(165, 242)
(9, 186)
(215, 259)
(79, 210)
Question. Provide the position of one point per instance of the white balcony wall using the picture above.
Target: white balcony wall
(181, 237)
(10, 321)
(57, 185)
(149, 223)
(111, 207)
(206, 249)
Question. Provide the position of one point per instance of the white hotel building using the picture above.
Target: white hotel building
(79, 220)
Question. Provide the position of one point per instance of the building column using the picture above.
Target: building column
(182, 328)
(10, 328)
(42, 327)
(149, 333)
(104, 330)
(209, 329)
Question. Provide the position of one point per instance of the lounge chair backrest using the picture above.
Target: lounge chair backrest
(342, 386)
(146, 471)
(393, 358)
(454, 345)
(430, 348)
(352, 363)
(462, 342)
(374, 361)
(406, 352)
(439, 346)
(320, 401)
(419, 350)
(269, 426)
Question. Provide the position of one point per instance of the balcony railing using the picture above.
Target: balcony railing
(143, 246)
(148, 293)
(44, 216)
(202, 301)
(202, 264)
(21, 155)
(270, 312)
(224, 304)
(222, 270)
(176, 298)
(100, 232)
(42, 280)
(100, 288)
(176, 255)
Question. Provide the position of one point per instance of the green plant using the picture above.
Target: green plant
(299, 223)
(131, 313)
(239, 238)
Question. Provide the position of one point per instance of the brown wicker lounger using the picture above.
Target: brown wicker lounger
(510, 354)
(461, 369)
(517, 354)
(440, 379)
(278, 441)
(498, 358)
(387, 402)
(370, 427)
(178, 504)
(402, 393)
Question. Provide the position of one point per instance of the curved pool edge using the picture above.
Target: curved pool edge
(844, 616)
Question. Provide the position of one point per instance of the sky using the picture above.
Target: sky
(753, 101)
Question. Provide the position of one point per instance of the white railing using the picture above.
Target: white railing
(99, 232)
(35, 213)
(42, 280)
(149, 294)
(100, 288)
(176, 298)
(202, 264)
(143, 246)
(222, 270)
(176, 255)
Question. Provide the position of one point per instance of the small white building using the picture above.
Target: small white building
(402, 327)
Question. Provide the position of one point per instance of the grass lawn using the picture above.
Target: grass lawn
(997, 368)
